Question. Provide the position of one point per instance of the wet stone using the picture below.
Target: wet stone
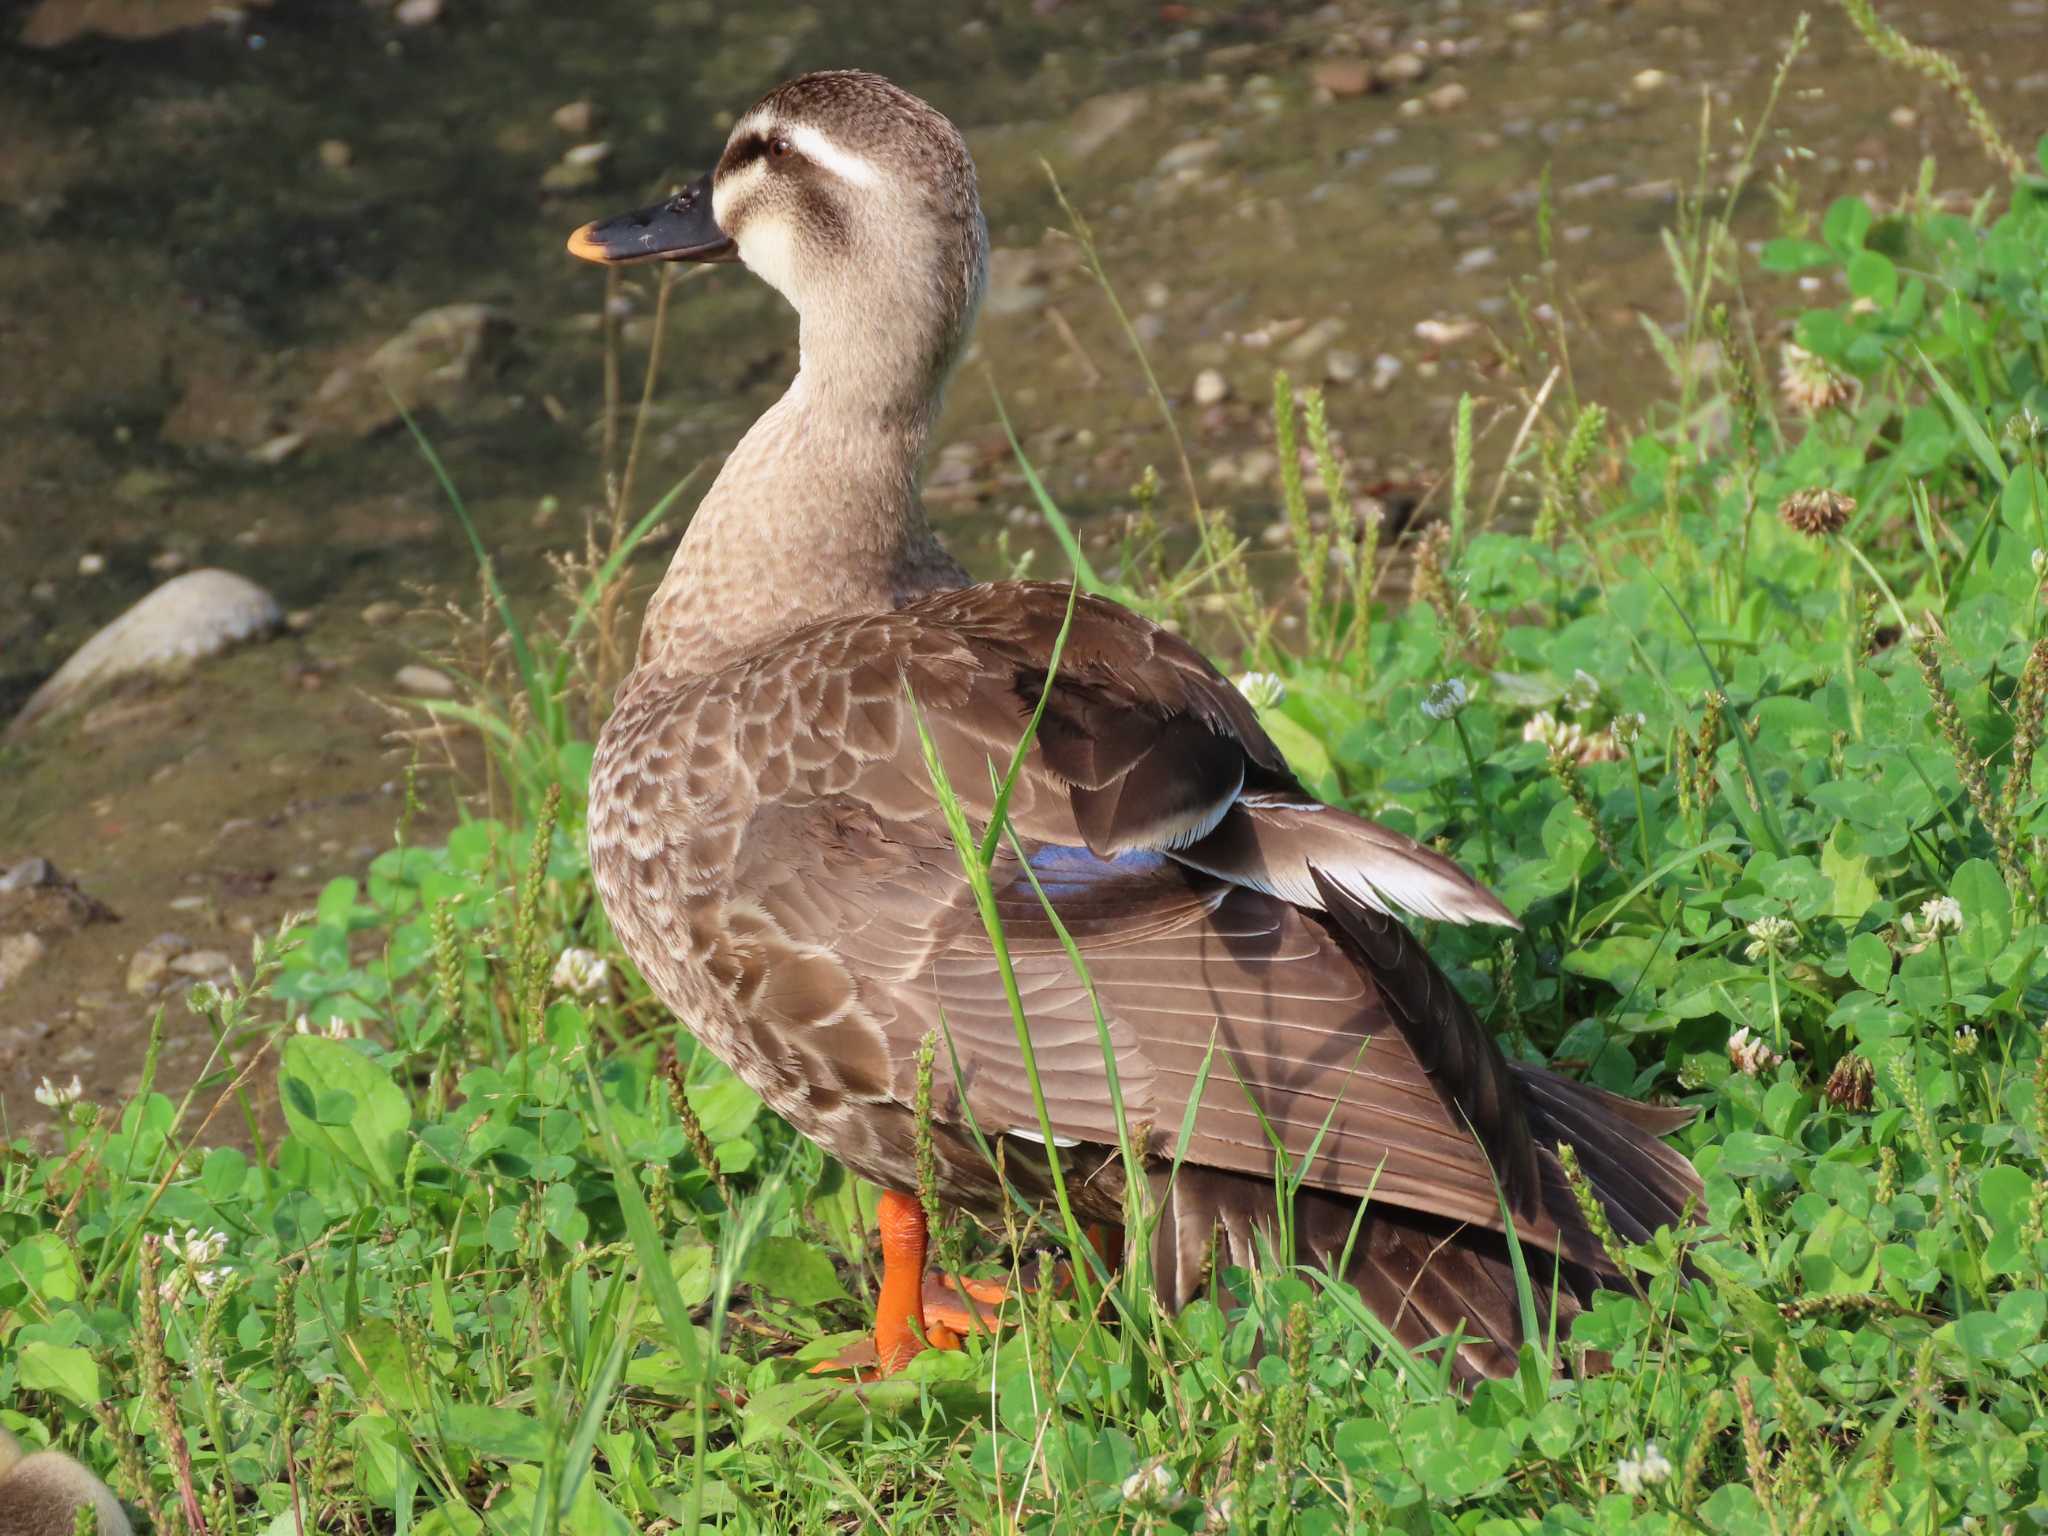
(1342, 77)
(151, 965)
(424, 682)
(1188, 158)
(18, 954)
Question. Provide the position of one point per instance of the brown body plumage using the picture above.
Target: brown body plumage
(767, 842)
(41, 1494)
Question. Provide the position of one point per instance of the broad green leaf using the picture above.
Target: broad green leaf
(338, 1099)
(62, 1370)
(795, 1270)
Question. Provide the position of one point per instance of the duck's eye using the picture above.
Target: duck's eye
(780, 149)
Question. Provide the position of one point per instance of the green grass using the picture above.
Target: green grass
(514, 1267)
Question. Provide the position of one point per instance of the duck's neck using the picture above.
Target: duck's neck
(816, 513)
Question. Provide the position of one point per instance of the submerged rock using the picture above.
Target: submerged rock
(440, 359)
(150, 966)
(36, 897)
(56, 22)
(189, 617)
(18, 952)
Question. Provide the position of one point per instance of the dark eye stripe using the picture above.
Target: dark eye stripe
(746, 152)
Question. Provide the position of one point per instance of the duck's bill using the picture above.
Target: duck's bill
(681, 229)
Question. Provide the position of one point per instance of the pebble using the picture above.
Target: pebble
(335, 154)
(1101, 119)
(1385, 369)
(90, 564)
(416, 13)
(424, 682)
(1904, 117)
(1446, 333)
(1342, 77)
(1448, 98)
(1341, 366)
(1313, 340)
(1211, 388)
(18, 952)
(202, 962)
(1187, 158)
(1412, 178)
(1528, 21)
(576, 118)
(152, 963)
(382, 612)
(1404, 68)
(1478, 259)
(277, 449)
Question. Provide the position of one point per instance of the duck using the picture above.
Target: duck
(42, 1493)
(766, 839)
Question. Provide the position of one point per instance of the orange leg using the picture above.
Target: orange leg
(901, 1328)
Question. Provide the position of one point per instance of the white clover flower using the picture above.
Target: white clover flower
(1635, 1473)
(340, 1029)
(1447, 699)
(1628, 726)
(1565, 738)
(1749, 1053)
(1940, 915)
(1966, 1041)
(1262, 690)
(581, 972)
(303, 1024)
(1222, 1515)
(1771, 936)
(210, 1281)
(60, 1096)
(1582, 692)
(196, 1248)
(1152, 1483)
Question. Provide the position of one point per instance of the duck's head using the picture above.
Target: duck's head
(852, 197)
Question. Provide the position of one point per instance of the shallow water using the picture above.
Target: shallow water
(196, 230)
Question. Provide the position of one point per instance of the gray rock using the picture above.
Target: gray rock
(1313, 340)
(1187, 158)
(1102, 118)
(1341, 365)
(424, 682)
(439, 359)
(1016, 281)
(18, 952)
(207, 963)
(186, 619)
(151, 964)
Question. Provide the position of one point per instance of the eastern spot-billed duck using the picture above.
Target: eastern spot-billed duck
(767, 842)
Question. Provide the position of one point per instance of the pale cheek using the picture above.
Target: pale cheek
(769, 250)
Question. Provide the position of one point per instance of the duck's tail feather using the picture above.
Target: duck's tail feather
(1428, 1278)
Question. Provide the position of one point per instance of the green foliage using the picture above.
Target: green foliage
(504, 1270)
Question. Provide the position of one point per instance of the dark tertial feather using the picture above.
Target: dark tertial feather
(1458, 1052)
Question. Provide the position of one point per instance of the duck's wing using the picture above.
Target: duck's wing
(1225, 916)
